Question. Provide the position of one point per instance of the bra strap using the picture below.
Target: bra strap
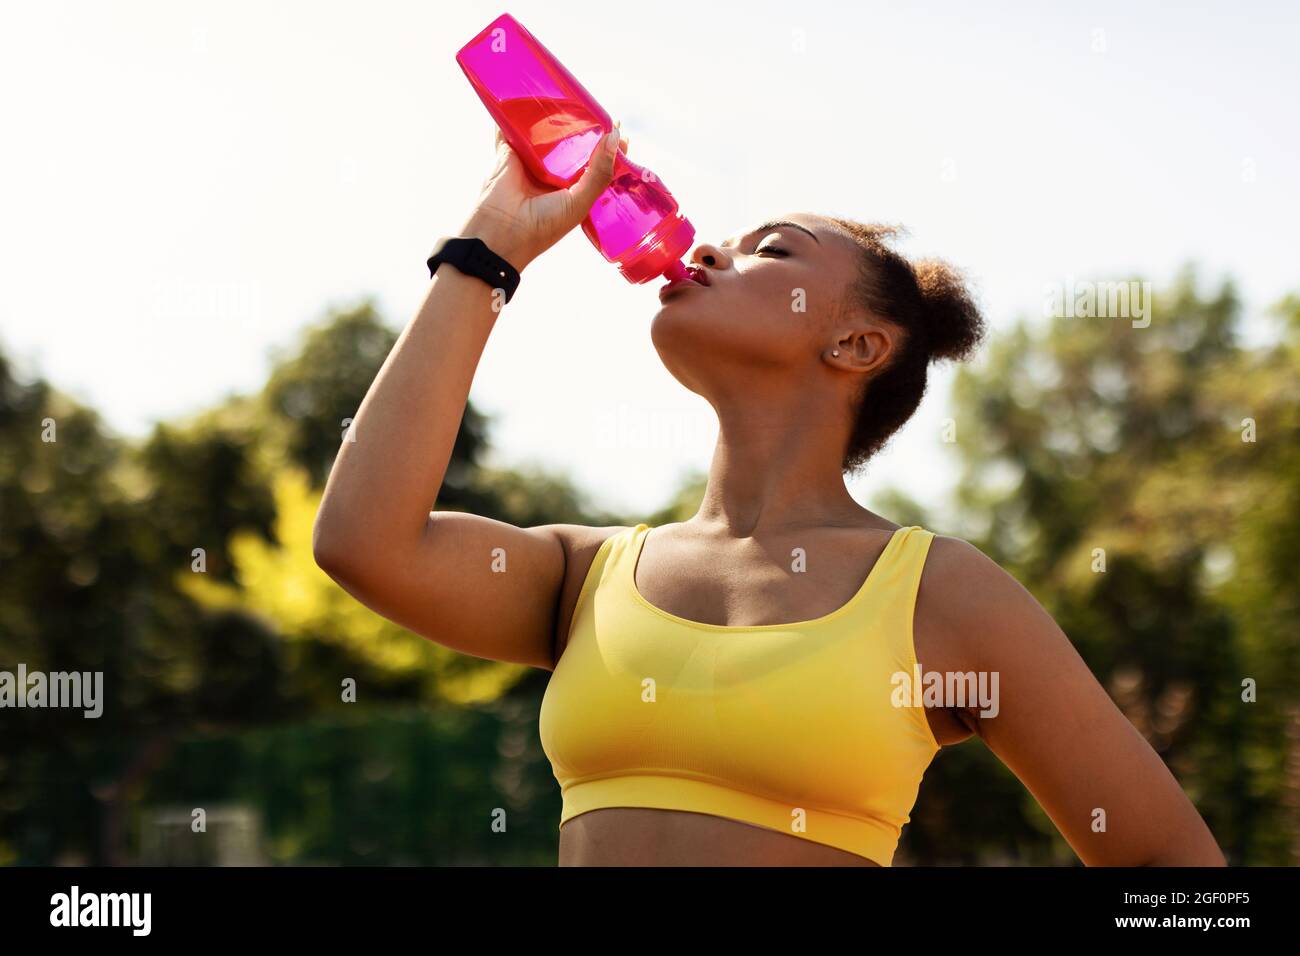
(901, 582)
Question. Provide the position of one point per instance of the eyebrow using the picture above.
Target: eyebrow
(777, 224)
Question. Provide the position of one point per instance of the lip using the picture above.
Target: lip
(676, 285)
(700, 275)
(697, 277)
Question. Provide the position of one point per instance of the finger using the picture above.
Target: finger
(596, 176)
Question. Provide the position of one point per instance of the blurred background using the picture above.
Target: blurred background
(213, 225)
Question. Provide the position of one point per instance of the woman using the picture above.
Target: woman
(737, 693)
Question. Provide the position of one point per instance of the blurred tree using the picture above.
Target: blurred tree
(205, 486)
(317, 387)
(1172, 449)
(1112, 470)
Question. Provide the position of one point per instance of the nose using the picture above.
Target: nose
(715, 257)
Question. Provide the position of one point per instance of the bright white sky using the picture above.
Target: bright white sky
(183, 185)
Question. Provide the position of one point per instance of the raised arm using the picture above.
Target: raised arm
(471, 583)
(1056, 728)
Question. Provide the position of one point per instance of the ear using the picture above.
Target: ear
(864, 348)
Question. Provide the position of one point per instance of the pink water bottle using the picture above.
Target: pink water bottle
(555, 125)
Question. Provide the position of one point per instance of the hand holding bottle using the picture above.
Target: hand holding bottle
(520, 219)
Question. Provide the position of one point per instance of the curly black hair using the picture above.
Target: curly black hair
(930, 301)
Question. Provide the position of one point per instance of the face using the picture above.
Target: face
(773, 302)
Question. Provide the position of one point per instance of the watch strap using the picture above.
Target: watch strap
(472, 256)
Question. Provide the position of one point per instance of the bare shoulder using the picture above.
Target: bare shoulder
(970, 605)
(957, 562)
(579, 540)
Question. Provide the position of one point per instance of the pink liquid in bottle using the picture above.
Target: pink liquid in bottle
(555, 125)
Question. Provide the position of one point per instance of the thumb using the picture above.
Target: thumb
(596, 177)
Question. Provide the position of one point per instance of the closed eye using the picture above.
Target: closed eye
(772, 249)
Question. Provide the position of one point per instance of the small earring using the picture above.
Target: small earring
(835, 351)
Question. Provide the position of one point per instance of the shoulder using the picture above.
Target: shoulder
(579, 540)
(972, 600)
(956, 561)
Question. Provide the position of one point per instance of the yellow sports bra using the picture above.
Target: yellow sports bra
(792, 727)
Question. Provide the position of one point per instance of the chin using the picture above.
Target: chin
(677, 326)
(681, 337)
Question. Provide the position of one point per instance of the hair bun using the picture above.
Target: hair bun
(953, 324)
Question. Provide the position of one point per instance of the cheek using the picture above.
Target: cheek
(791, 296)
(761, 332)
(765, 292)
(779, 310)
(767, 318)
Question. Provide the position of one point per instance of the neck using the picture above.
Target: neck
(777, 467)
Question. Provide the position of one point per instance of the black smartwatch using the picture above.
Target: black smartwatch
(472, 256)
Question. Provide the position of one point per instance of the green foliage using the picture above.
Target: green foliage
(1077, 438)
(99, 549)
(1090, 440)
(204, 488)
(313, 392)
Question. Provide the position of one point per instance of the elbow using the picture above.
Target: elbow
(328, 549)
(326, 558)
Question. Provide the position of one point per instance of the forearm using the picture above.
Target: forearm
(391, 465)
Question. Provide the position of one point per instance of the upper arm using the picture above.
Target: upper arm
(470, 583)
(1056, 728)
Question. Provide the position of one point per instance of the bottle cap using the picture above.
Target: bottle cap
(660, 251)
